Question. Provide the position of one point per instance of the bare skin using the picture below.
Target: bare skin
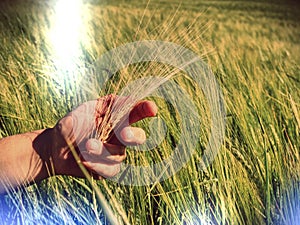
(34, 156)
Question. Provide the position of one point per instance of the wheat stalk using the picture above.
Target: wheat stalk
(114, 111)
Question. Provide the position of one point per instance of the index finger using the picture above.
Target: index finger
(142, 110)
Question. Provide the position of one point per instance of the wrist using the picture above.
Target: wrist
(50, 146)
(43, 146)
(59, 150)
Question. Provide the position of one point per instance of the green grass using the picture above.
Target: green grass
(253, 49)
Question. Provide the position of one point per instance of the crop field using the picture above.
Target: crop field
(48, 50)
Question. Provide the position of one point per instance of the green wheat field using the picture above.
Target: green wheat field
(253, 49)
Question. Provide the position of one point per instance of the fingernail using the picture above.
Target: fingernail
(129, 134)
(94, 144)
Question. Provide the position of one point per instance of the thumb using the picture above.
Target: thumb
(94, 146)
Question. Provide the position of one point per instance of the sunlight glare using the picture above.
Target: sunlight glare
(65, 37)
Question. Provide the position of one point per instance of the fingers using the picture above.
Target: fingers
(107, 153)
(142, 110)
(100, 170)
(131, 136)
(79, 123)
(125, 135)
(128, 136)
(104, 160)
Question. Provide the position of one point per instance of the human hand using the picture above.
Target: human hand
(78, 128)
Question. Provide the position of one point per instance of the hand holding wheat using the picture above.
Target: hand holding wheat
(102, 155)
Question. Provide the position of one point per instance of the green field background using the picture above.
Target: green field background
(253, 49)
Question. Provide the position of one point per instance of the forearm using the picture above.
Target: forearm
(25, 158)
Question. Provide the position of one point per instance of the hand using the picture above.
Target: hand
(101, 159)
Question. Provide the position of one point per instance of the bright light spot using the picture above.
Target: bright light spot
(66, 33)
(199, 220)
